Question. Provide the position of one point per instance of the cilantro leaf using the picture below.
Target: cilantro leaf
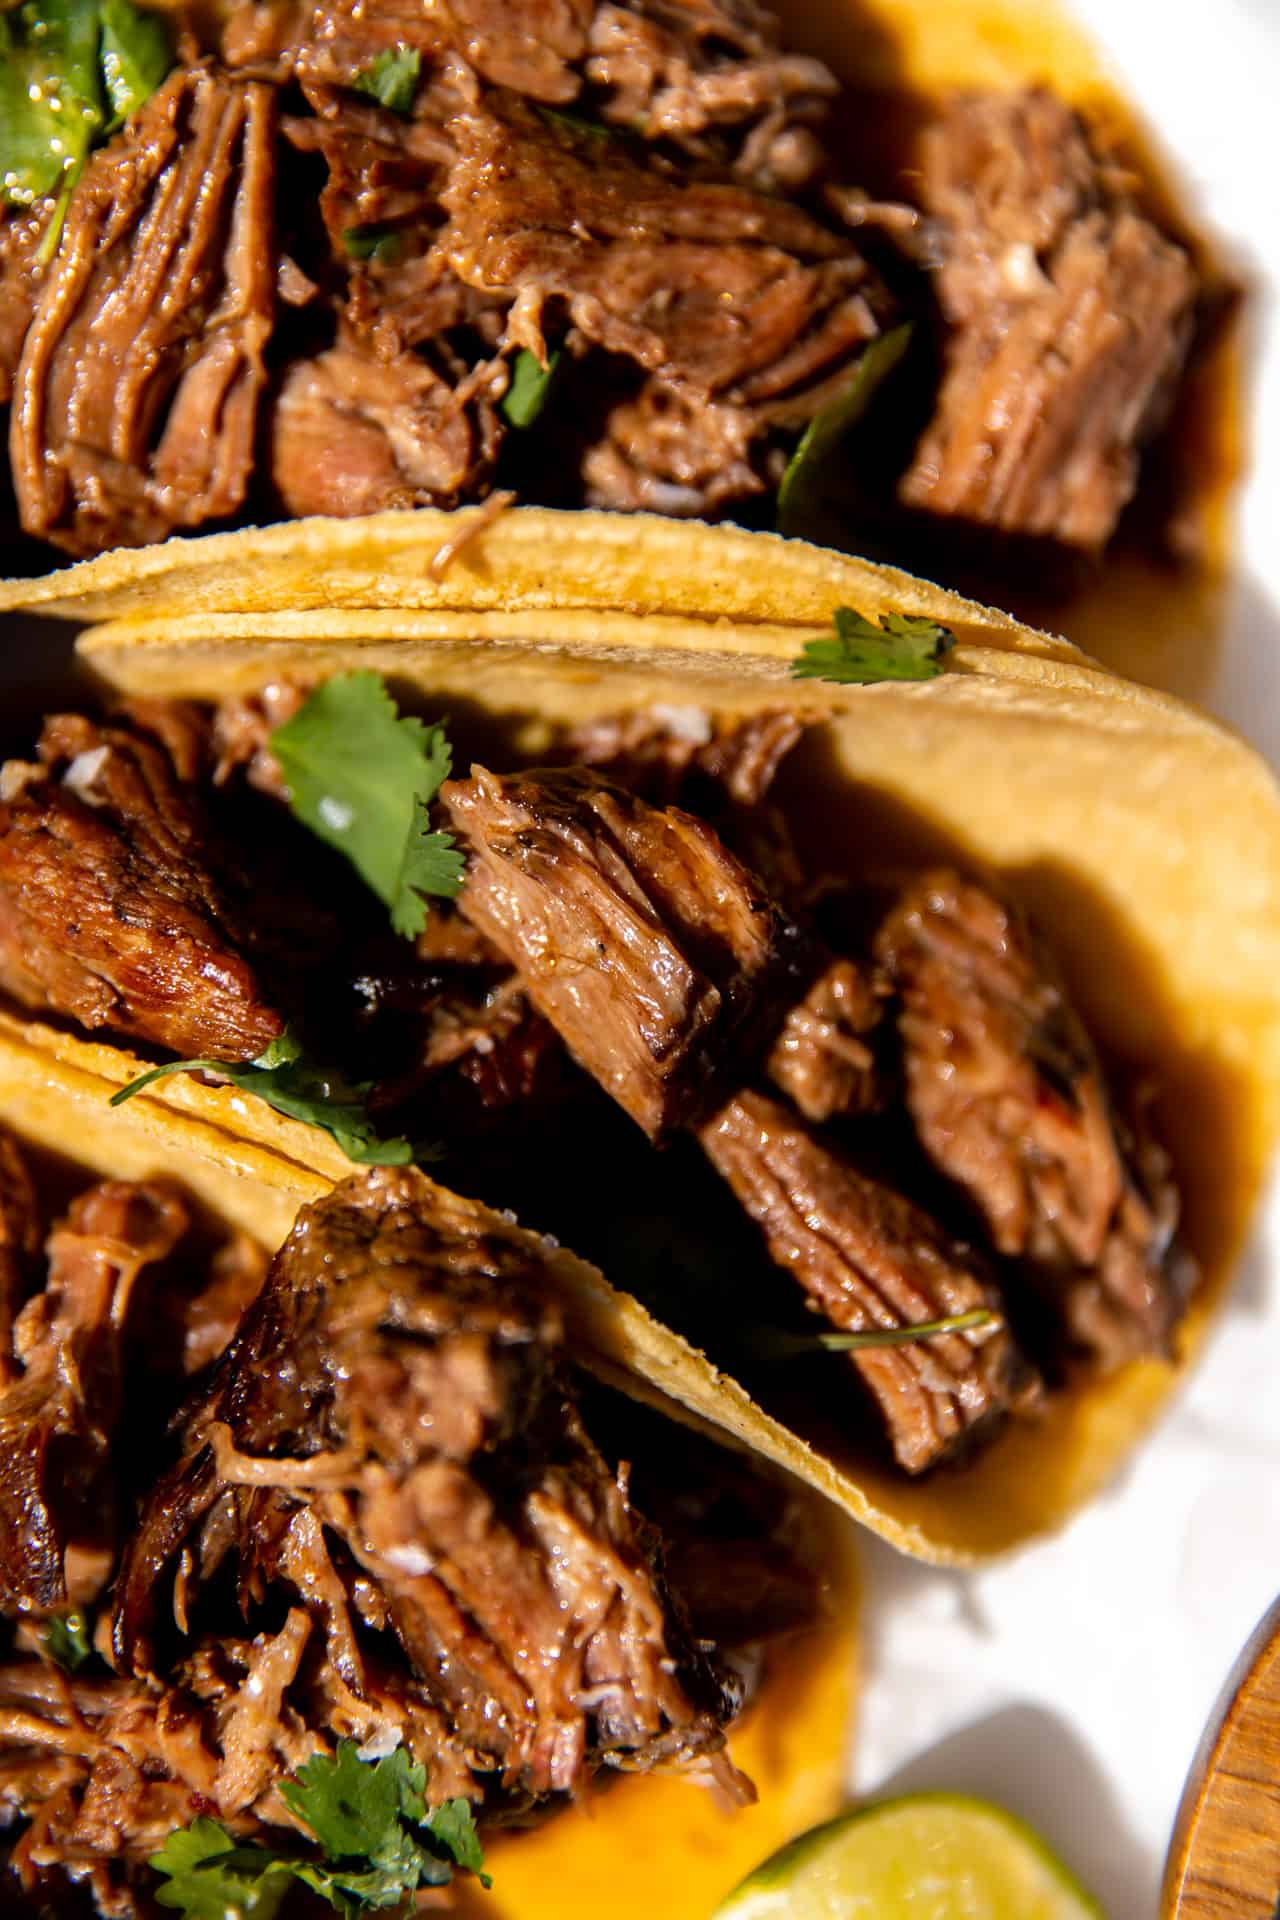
(51, 101)
(361, 775)
(71, 72)
(136, 54)
(379, 1844)
(900, 648)
(453, 1826)
(208, 1875)
(431, 864)
(354, 1808)
(530, 388)
(379, 241)
(287, 1080)
(802, 481)
(67, 1639)
(391, 79)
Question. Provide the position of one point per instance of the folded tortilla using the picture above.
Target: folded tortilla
(1143, 838)
(246, 1167)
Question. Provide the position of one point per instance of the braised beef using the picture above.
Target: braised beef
(58, 1419)
(735, 303)
(21, 230)
(634, 930)
(109, 913)
(684, 756)
(241, 732)
(867, 1257)
(392, 1420)
(136, 398)
(1067, 316)
(1009, 1101)
(19, 1245)
(823, 1058)
(351, 434)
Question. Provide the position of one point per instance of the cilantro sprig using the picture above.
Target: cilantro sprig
(530, 388)
(859, 652)
(295, 1085)
(379, 1843)
(391, 79)
(362, 776)
(379, 241)
(776, 1345)
(803, 482)
(71, 73)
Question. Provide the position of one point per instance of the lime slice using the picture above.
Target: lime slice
(928, 1856)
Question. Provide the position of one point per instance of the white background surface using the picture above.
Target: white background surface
(1073, 1682)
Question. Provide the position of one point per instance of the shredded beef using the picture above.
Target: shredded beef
(136, 398)
(19, 1246)
(867, 1257)
(354, 434)
(108, 911)
(58, 1419)
(21, 230)
(635, 931)
(822, 1058)
(683, 756)
(1009, 1101)
(241, 733)
(1067, 318)
(392, 1420)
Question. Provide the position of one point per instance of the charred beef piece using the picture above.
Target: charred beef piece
(58, 1420)
(866, 1257)
(648, 947)
(1067, 318)
(108, 912)
(136, 397)
(19, 1246)
(1009, 1101)
(390, 1439)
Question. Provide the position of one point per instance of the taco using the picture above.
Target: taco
(293, 1544)
(336, 259)
(969, 981)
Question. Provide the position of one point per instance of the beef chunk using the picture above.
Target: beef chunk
(866, 1257)
(1009, 1101)
(743, 310)
(821, 1058)
(57, 1421)
(241, 733)
(19, 1246)
(683, 756)
(710, 77)
(1067, 318)
(649, 948)
(391, 1434)
(351, 434)
(108, 912)
(136, 398)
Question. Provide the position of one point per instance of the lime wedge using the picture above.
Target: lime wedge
(928, 1856)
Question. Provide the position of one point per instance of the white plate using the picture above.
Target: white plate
(1073, 1682)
